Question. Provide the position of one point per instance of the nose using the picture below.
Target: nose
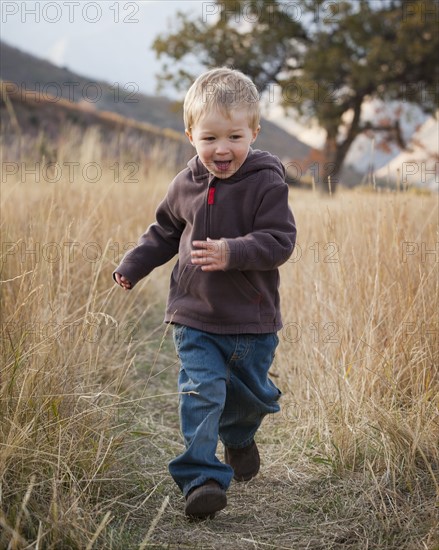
(222, 148)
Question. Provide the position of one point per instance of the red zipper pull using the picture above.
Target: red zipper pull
(211, 196)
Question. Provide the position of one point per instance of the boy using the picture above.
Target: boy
(227, 217)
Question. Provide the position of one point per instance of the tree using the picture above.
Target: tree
(327, 58)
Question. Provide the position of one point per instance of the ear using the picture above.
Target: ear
(255, 134)
(189, 136)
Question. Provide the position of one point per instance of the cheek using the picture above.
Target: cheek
(242, 151)
(204, 150)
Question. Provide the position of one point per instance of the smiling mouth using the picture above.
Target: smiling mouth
(222, 165)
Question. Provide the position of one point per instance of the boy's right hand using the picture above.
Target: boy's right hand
(123, 281)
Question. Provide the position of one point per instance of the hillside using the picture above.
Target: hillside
(31, 73)
(35, 126)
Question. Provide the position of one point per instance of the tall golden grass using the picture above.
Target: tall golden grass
(67, 340)
(360, 344)
(358, 358)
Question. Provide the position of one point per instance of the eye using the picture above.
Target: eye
(235, 137)
(208, 138)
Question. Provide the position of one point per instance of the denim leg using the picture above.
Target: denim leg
(250, 393)
(203, 372)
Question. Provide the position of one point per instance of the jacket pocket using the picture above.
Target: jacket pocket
(222, 295)
(240, 281)
(186, 277)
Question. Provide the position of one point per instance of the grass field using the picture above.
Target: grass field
(88, 379)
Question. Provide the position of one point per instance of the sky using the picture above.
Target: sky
(105, 40)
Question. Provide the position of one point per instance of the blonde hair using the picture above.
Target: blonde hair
(224, 89)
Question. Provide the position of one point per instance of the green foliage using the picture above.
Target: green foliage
(326, 57)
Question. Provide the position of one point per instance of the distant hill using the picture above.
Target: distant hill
(35, 127)
(32, 73)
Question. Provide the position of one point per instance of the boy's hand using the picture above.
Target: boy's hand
(212, 255)
(123, 281)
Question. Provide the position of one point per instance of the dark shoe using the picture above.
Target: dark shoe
(245, 462)
(203, 501)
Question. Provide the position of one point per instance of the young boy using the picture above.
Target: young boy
(227, 217)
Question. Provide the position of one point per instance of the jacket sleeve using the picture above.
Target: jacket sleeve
(156, 246)
(273, 238)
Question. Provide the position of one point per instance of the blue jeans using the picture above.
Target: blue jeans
(225, 392)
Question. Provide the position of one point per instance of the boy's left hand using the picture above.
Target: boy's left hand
(212, 254)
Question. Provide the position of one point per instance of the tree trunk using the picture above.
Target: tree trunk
(335, 153)
(331, 166)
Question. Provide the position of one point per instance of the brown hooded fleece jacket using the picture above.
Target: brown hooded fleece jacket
(250, 211)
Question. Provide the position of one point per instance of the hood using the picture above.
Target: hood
(256, 160)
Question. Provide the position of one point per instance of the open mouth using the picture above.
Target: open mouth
(222, 165)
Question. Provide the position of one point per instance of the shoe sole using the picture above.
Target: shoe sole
(205, 504)
(239, 479)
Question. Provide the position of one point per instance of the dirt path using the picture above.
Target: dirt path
(292, 504)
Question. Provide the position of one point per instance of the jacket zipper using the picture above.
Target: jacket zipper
(210, 202)
(211, 195)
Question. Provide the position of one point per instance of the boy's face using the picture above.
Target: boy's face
(222, 143)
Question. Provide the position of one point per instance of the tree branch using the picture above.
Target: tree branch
(394, 129)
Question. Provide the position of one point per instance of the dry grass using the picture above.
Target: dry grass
(88, 409)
